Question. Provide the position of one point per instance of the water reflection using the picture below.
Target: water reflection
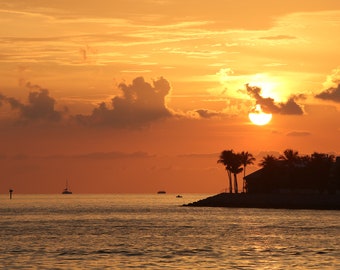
(146, 231)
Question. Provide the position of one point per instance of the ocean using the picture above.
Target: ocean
(152, 231)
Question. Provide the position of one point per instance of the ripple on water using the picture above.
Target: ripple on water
(104, 233)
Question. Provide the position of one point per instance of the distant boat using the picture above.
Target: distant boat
(66, 190)
(179, 196)
(161, 192)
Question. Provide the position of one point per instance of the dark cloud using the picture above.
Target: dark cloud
(332, 94)
(86, 52)
(268, 105)
(40, 105)
(290, 107)
(140, 104)
(206, 113)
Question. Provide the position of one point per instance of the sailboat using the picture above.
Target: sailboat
(66, 190)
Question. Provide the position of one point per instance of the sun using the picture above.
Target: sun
(258, 117)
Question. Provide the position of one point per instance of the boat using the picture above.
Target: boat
(161, 192)
(179, 196)
(66, 190)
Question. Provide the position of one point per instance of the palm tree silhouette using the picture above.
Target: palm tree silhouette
(291, 157)
(226, 158)
(246, 159)
(233, 165)
(270, 165)
(320, 165)
(268, 161)
(236, 168)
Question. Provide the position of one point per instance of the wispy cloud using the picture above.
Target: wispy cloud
(92, 155)
(278, 37)
(200, 155)
(112, 155)
(298, 134)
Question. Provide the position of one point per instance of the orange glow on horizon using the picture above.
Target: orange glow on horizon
(137, 96)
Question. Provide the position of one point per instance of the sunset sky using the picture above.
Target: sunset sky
(136, 96)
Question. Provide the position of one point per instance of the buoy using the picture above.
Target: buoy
(10, 194)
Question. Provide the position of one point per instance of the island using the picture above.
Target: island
(288, 182)
(276, 201)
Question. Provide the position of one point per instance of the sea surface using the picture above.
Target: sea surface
(154, 232)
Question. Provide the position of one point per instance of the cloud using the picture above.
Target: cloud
(140, 104)
(203, 113)
(268, 105)
(290, 107)
(195, 155)
(332, 93)
(40, 106)
(113, 155)
(298, 134)
(91, 155)
(278, 37)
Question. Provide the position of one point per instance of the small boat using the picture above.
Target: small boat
(161, 192)
(66, 190)
(179, 196)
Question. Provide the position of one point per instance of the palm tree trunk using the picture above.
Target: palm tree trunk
(235, 183)
(244, 183)
(230, 182)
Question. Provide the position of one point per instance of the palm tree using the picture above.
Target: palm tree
(271, 169)
(291, 157)
(268, 161)
(236, 168)
(322, 157)
(320, 165)
(226, 158)
(246, 159)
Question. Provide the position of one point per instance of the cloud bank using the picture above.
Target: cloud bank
(139, 104)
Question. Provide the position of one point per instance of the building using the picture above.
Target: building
(316, 176)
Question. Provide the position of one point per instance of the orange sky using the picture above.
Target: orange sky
(136, 96)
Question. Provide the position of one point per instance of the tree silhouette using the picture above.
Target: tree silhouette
(246, 159)
(233, 165)
(318, 171)
(268, 161)
(320, 165)
(226, 158)
(236, 168)
(271, 168)
(290, 157)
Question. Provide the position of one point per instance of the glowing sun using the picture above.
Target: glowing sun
(258, 117)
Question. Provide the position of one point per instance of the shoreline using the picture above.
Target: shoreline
(271, 200)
